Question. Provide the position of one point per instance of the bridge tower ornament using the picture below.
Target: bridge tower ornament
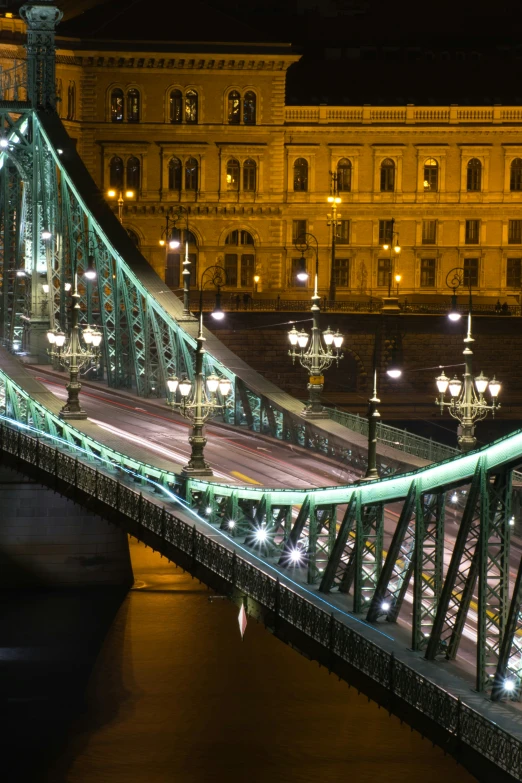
(41, 18)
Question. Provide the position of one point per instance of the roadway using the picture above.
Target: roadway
(243, 458)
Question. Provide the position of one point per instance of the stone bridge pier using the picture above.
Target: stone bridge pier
(47, 540)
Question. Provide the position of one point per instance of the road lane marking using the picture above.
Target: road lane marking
(249, 480)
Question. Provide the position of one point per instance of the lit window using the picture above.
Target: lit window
(133, 106)
(191, 107)
(233, 175)
(117, 105)
(234, 108)
(301, 175)
(431, 175)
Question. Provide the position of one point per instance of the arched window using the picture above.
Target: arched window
(387, 176)
(116, 173)
(249, 108)
(174, 174)
(301, 175)
(134, 237)
(133, 174)
(515, 180)
(474, 175)
(233, 174)
(431, 175)
(191, 106)
(117, 105)
(239, 238)
(234, 108)
(133, 106)
(71, 101)
(344, 175)
(240, 265)
(249, 176)
(175, 106)
(191, 174)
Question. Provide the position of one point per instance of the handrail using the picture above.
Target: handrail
(246, 302)
(457, 719)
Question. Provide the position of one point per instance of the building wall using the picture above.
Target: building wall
(322, 135)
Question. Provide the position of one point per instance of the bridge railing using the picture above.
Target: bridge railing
(246, 302)
(458, 720)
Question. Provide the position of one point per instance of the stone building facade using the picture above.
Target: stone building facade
(205, 126)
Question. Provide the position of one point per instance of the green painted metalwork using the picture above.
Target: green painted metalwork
(428, 565)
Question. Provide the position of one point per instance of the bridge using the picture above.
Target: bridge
(403, 586)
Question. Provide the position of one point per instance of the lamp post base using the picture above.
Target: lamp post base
(190, 472)
(308, 413)
(72, 415)
(390, 304)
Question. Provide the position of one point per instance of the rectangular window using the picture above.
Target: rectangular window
(471, 272)
(342, 272)
(472, 232)
(298, 229)
(172, 270)
(343, 232)
(231, 269)
(514, 276)
(429, 232)
(515, 232)
(297, 264)
(247, 270)
(383, 266)
(427, 277)
(385, 232)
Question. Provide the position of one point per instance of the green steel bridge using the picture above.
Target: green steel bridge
(297, 557)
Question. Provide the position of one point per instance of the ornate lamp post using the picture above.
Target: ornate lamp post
(466, 403)
(315, 358)
(119, 194)
(199, 401)
(168, 238)
(334, 200)
(74, 355)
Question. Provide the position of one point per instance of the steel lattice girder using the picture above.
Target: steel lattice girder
(509, 668)
(428, 565)
(493, 568)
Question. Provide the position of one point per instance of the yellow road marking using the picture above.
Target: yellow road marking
(244, 478)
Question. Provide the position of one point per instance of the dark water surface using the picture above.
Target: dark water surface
(176, 696)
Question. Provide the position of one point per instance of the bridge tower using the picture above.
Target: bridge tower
(41, 18)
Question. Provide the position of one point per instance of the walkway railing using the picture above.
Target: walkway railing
(240, 302)
(461, 723)
(425, 448)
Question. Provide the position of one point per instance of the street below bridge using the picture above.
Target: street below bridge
(243, 457)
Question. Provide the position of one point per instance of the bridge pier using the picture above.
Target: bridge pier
(47, 540)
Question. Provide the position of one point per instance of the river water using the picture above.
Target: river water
(176, 696)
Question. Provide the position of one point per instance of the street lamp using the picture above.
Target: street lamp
(334, 200)
(394, 247)
(466, 402)
(70, 353)
(170, 240)
(199, 399)
(394, 371)
(121, 196)
(316, 358)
